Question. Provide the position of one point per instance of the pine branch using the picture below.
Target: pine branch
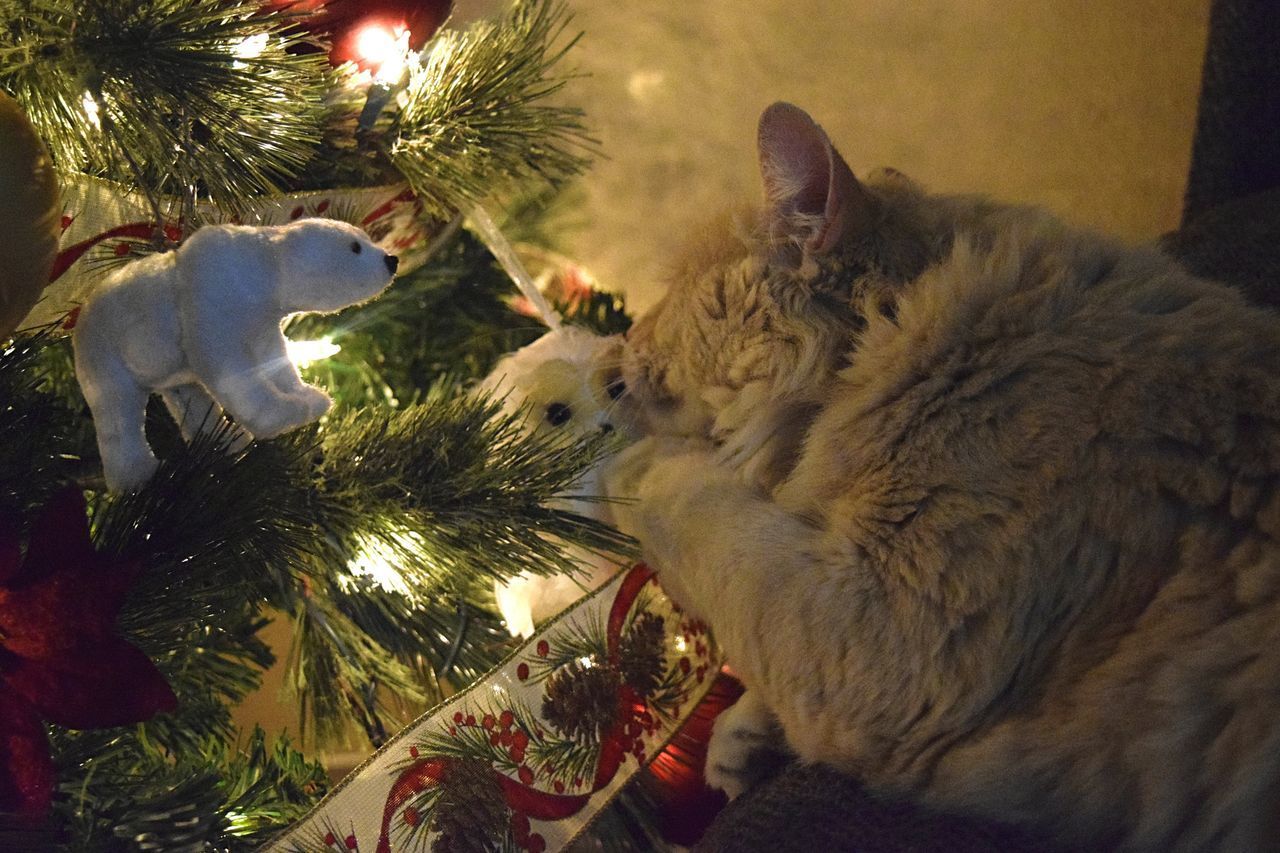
(476, 118)
(452, 316)
(43, 442)
(174, 96)
(212, 797)
(469, 483)
(341, 674)
(447, 641)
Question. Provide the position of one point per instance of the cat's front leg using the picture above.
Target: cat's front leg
(661, 486)
(721, 548)
(746, 746)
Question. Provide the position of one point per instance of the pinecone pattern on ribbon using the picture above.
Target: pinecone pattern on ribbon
(471, 815)
(641, 656)
(581, 701)
(527, 758)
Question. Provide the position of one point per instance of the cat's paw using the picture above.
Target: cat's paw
(654, 482)
(630, 474)
(744, 746)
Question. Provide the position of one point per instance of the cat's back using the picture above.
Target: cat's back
(1068, 451)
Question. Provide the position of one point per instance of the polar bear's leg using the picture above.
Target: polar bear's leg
(228, 360)
(195, 411)
(272, 353)
(119, 407)
(255, 403)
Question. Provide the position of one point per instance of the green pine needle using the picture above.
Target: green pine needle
(476, 118)
(181, 107)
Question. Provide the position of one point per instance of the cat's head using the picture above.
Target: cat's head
(767, 303)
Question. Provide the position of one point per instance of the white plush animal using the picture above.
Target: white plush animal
(201, 325)
(568, 382)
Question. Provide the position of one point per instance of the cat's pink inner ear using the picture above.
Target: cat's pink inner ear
(812, 193)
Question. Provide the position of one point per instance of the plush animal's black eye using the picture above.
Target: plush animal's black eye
(356, 247)
(558, 414)
(616, 388)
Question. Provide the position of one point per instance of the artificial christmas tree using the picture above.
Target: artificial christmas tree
(379, 531)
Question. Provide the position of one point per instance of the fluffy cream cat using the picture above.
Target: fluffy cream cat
(982, 508)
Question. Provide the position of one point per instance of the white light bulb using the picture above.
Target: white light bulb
(379, 560)
(303, 353)
(250, 46)
(386, 51)
(91, 110)
(375, 44)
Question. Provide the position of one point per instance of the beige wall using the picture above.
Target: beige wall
(1086, 107)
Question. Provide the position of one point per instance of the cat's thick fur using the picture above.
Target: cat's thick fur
(984, 508)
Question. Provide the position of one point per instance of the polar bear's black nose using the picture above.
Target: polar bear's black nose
(392, 263)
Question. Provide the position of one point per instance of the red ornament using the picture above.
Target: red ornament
(343, 22)
(674, 780)
(61, 659)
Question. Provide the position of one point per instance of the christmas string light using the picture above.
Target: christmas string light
(303, 353)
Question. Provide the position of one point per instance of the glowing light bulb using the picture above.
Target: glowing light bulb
(250, 46)
(303, 353)
(375, 44)
(379, 560)
(91, 110)
(385, 50)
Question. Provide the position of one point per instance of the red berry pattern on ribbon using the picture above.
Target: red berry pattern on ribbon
(524, 758)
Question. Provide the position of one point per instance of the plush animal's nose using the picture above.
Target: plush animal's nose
(606, 428)
(392, 262)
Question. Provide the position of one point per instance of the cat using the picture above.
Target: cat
(568, 383)
(984, 509)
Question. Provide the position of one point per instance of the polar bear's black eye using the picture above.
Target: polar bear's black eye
(558, 414)
(356, 247)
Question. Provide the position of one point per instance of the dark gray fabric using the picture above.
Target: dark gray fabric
(1236, 151)
(1237, 243)
(817, 810)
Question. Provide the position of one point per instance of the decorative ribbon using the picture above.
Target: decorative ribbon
(538, 746)
(101, 220)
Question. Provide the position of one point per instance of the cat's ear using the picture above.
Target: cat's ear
(812, 195)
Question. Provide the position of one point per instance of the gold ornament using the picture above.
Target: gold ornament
(30, 215)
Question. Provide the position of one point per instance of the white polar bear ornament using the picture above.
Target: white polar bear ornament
(201, 325)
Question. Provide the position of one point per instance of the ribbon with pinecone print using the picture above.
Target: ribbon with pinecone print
(528, 755)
